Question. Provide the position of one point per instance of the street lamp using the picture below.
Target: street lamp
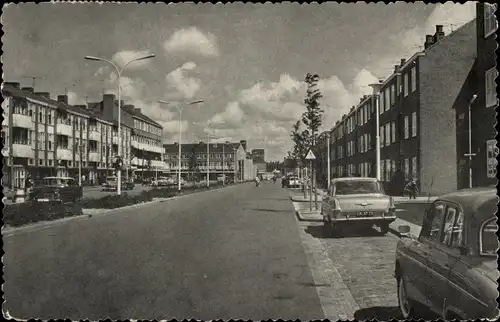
(470, 154)
(376, 95)
(179, 108)
(119, 74)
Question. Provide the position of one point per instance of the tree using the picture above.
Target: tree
(312, 117)
(301, 143)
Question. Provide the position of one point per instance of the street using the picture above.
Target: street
(237, 252)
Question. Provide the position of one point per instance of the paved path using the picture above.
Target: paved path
(227, 253)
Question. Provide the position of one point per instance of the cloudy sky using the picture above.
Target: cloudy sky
(246, 61)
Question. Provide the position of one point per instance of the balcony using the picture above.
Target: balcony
(94, 157)
(115, 139)
(21, 120)
(22, 151)
(64, 154)
(64, 129)
(94, 135)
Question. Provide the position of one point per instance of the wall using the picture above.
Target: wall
(442, 73)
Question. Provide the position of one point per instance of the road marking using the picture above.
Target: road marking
(335, 297)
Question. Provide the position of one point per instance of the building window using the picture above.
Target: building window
(414, 167)
(414, 124)
(388, 134)
(405, 85)
(381, 134)
(407, 130)
(491, 94)
(387, 99)
(393, 132)
(490, 22)
(381, 103)
(407, 168)
(413, 79)
(393, 94)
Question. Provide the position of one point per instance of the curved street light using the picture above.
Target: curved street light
(179, 108)
(119, 74)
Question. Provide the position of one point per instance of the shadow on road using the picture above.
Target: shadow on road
(319, 231)
(379, 313)
(268, 210)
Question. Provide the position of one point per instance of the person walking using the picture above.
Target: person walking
(412, 189)
(257, 181)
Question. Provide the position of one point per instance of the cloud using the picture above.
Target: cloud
(452, 16)
(232, 116)
(101, 71)
(125, 56)
(170, 128)
(72, 98)
(192, 40)
(184, 85)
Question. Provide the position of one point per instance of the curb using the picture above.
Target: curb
(300, 218)
(7, 232)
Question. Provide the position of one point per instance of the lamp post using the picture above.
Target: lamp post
(328, 158)
(376, 95)
(179, 108)
(119, 73)
(470, 154)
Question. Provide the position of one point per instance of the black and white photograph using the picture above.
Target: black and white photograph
(249, 161)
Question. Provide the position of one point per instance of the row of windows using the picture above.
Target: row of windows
(200, 156)
(213, 165)
(145, 140)
(147, 127)
(490, 90)
(364, 169)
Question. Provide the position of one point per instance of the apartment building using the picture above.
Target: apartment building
(47, 137)
(142, 148)
(483, 109)
(417, 116)
(225, 158)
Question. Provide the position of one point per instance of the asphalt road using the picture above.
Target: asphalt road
(227, 253)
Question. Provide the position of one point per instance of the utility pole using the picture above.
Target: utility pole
(470, 154)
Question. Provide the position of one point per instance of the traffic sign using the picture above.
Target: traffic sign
(310, 155)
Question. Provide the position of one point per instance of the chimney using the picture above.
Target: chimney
(439, 33)
(16, 85)
(396, 68)
(137, 109)
(62, 99)
(429, 41)
(43, 94)
(28, 89)
(403, 61)
(108, 107)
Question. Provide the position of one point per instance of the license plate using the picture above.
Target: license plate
(365, 214)
(43, 200)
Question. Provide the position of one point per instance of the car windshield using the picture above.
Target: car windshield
(51, 181)
(489, 239)
(352, 187)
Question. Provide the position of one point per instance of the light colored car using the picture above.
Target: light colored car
(359, 202)
(293, 182)
(451, 268)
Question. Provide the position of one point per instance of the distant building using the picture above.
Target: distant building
(227, 159)
(259, 160)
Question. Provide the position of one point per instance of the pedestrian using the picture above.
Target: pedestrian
(28, 183)
(257, 181)
(412, 189)
(83, 179)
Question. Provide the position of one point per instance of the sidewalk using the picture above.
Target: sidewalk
(414, 229)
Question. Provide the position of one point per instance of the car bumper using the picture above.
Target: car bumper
(360, 220)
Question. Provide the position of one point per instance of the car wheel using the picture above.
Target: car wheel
(384, 229)
(403, 301)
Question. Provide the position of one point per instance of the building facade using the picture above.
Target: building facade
(417, 104)
(198, 159)
(46, 137)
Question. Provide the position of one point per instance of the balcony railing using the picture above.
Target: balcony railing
(64, 129)
(64, 154)
(94, 135)
(22, 151)
(94, 157)
(21, 120)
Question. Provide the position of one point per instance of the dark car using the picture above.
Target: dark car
(63, 189)
(451, 268)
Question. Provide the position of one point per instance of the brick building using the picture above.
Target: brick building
(483, 109)
(417, 116)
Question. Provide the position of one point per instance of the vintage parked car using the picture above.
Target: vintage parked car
(357, 202)
(451, 269)
(60, 189)
(293, 182)
(111, 184)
